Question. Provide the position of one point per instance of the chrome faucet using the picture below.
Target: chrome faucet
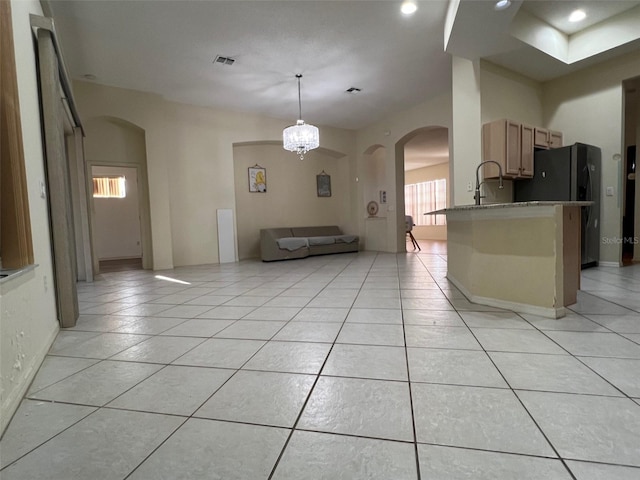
(477, 195)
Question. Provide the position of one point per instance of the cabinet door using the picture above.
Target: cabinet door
(541, 137)
(555, 139)
(526, 145)
(493, 147)
(513, 148)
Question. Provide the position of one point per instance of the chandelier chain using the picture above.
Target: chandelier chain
(299, 76)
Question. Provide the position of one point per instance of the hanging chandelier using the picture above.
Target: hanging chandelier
(301, 137)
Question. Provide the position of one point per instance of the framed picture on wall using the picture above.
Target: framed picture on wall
(323, 183)
(257, 179)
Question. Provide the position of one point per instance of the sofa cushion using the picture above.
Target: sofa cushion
(346, 238)
(324, 231)
(329, 240)
(291, 243)
(279, 232)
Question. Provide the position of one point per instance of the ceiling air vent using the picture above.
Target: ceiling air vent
(354, 90)
(223, 60)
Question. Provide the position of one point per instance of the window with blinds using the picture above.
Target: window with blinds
(109, 187)
(420, 198)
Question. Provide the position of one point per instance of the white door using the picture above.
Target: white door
(117, 217)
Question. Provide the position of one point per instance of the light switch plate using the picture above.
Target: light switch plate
(609, 191)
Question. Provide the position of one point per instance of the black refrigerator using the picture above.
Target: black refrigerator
(569, 173)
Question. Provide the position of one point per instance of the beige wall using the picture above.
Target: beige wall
(506, 94)
(587, 107)
(27, 304)
(190, 163)
(391, 133)
(110, 141)
(435, 172)
(291, 199)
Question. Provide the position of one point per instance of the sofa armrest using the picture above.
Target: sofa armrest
(268, 242)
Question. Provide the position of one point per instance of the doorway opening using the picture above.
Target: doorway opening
(116, 219)
(426, 187)
(630, 251)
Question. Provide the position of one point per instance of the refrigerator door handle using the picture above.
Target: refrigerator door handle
(590, 197)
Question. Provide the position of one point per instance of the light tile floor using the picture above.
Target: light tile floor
(353, 366)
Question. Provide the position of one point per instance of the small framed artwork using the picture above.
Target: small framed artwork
(257, 179)
(323, 183)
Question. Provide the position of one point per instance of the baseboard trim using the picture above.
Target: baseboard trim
(547, 312)
(609, 264)
(12, 403)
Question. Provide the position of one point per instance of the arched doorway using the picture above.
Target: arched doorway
(422, 161)
(116, 148)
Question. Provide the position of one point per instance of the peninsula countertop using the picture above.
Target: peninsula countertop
(486, 206)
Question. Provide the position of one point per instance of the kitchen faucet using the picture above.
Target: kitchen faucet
(477, 195)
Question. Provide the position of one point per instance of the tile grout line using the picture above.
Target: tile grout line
(313, 386)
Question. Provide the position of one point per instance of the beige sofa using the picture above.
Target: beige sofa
(300, 242)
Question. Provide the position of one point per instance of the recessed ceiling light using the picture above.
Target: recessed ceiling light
(577, 16)
(502, 4)
(408, 7)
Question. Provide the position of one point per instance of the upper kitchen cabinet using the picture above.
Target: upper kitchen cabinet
(547, 139)
(511, 145)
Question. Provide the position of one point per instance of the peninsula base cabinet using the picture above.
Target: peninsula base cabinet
(511, 145)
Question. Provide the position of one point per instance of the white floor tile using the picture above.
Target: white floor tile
(212, 449)
(98, 384)
(54, 369)
(198, 328)
(434, 318)
(107, 445)
(597, 471)
(251, 329)
(50, 418)
(624, 373)
(455, 367)
(475, 417)
(340, 457)
(103, 346)
(375, 315)
(371, 334)
(440, 337)
(309, 332)
(584, 427)
(173, 390)
(265, 398)
(371, 408)
(159, 349)
(551, 373)
(494, 320)
(290, 357)
(338, 316)
(367, 361)
(438, 462)
(596, 344)
(524, 341)
(221, 353)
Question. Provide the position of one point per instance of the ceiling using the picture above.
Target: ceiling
(167, 47)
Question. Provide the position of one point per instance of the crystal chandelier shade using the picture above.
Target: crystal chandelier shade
(301, 137)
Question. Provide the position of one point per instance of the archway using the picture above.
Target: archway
(114, 144)
(290, 196)
(422, 160)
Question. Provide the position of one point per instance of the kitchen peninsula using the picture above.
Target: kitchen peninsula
(523, 257)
